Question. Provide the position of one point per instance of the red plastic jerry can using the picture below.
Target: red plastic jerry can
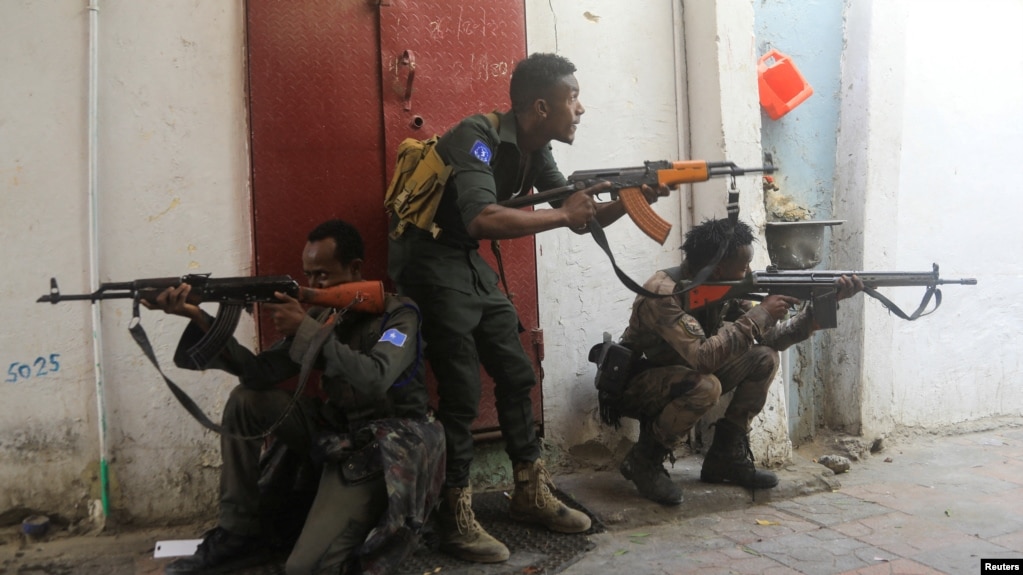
(782, 87)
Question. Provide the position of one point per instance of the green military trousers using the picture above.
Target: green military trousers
(462, 331)
(249, 413)
(338, 523)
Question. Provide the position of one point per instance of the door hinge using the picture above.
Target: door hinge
(537, 337)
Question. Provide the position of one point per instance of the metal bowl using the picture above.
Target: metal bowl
(796, 245)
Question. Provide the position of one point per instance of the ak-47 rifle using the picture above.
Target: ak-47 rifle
(819, 287)
(234, 294)
(626, 184)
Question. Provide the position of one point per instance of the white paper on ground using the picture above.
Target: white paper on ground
(176, 548)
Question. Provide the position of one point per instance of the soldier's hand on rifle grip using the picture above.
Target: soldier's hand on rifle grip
(580, 207)
(779, 305)
(848, 287)
(175, 301)
(287, 315)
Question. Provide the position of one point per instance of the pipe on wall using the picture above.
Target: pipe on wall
(94, 280)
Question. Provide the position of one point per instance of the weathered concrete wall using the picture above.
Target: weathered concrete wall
(928, 135)
(962, 139)
(630, 87)
(172, 198)
(803, 144)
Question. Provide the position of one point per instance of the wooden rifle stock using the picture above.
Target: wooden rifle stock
(627, 184)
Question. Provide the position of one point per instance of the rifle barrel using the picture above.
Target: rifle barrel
(870, 279)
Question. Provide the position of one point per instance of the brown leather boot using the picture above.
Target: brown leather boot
(533, 502)
(461, 535)
(730, 460)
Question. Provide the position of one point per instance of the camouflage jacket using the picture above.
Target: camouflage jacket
(666, 335)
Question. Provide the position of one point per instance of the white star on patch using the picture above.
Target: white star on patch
(482, 152)
(394, 337)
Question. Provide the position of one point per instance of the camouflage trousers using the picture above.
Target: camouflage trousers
(671, 399)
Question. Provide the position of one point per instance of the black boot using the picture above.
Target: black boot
(729, 459)
(644, 466)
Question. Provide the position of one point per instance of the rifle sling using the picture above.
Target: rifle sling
(932, 291)
(139, 335)
(598, 236)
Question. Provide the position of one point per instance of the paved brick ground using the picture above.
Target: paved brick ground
(930, 505)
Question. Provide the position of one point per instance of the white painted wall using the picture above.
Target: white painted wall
(173, 198)
(629, 85)
(930, 137)
(958, 205)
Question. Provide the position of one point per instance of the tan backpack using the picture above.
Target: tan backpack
(418, 184)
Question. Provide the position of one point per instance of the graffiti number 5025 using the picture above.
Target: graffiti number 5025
(41, 366)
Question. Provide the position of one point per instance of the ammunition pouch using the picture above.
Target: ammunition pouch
(416, 186)
(614, 366)
(418, 183)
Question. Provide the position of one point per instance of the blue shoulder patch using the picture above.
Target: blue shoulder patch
(394, 337)
(482, 152)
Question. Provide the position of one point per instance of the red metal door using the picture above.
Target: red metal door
(330, 99)
(314, 95)
(442, 61)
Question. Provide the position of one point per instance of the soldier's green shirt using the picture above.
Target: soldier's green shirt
(372, 365)
(487, 167)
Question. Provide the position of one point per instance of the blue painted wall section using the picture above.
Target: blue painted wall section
(804, 143)
(804, 140)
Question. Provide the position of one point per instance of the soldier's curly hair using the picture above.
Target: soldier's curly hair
(534, 76)
(703, 241)
(347, 240)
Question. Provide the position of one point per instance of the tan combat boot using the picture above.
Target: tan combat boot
(533, 501)
(461, 535)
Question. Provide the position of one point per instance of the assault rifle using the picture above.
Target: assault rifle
(626, 184)
(818, 287)
(234, 294)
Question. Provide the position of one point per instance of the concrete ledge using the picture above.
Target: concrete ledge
(616, 502)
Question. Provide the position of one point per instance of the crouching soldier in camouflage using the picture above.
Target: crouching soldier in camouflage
(681, 363)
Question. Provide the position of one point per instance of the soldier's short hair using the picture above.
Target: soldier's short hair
(534, 76)
(703, 241)
(347, 239)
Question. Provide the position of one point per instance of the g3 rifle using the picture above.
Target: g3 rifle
(819, 287)
(626, 184)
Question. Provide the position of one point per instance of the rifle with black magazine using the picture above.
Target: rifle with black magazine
(234, 294)
(820, 288)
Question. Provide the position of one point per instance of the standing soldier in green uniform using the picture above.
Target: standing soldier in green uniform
(684, 362)
(383, 463)
(467, 320)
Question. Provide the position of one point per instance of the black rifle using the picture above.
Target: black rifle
(234, 294)
(820, 288)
